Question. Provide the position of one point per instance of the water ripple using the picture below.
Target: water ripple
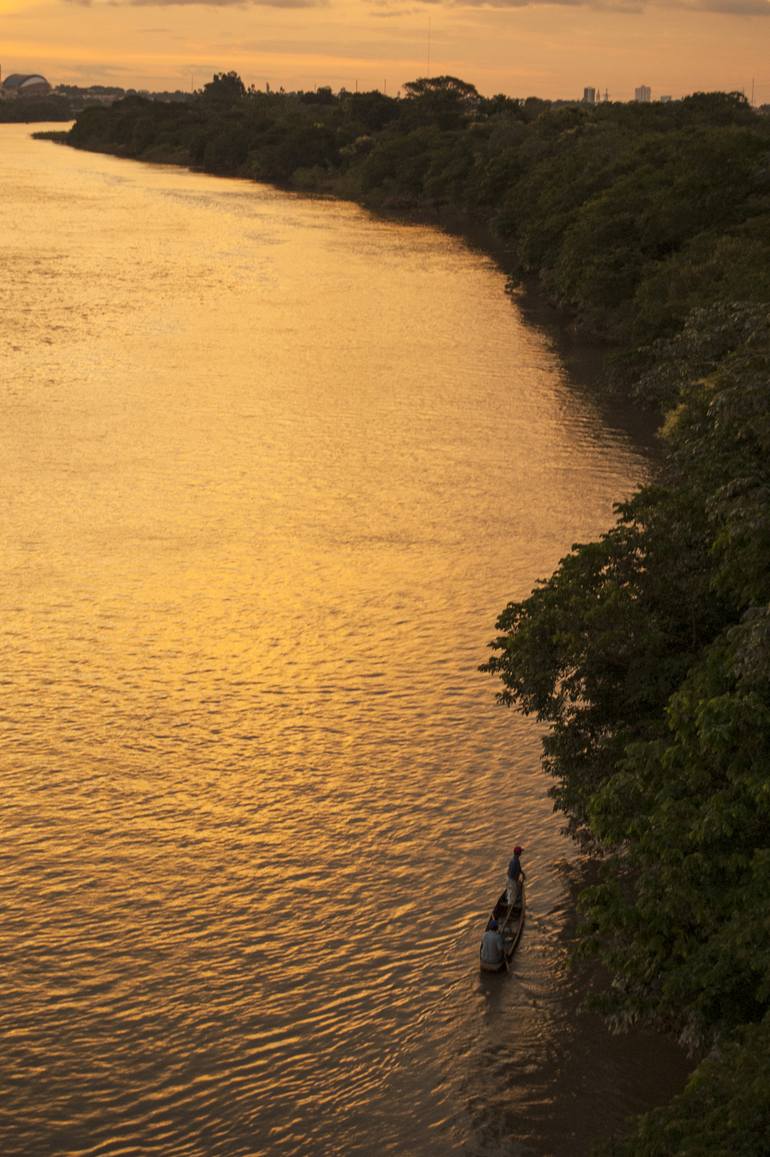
(270, 469)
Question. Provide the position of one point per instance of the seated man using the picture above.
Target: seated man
(492, 946)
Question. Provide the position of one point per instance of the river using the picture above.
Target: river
(269, 469)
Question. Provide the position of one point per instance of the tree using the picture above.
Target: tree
(442, 100)
(225, 88)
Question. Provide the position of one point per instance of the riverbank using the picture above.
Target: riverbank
(36, 110)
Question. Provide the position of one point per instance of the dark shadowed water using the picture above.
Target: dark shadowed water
(269, 468)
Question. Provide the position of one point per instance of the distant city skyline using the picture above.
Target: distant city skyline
(510, 46)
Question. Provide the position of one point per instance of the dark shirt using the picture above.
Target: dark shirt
(514, 868)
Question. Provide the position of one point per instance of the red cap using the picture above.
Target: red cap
(517, 850)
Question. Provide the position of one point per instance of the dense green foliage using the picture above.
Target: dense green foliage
(647, 652)
(34, 109)
(67, 101)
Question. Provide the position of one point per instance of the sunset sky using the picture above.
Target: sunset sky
(511, 46)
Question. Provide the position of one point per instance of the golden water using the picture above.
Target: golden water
(269, 468)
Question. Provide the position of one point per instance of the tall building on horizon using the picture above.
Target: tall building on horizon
(589, 95)
(643, 94)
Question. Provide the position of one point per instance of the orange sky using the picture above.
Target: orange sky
(511, 46)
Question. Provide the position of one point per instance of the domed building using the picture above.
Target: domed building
(20, 84)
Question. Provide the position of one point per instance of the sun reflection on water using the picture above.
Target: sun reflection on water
(270, 468)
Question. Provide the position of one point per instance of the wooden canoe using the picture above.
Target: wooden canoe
(510, 923)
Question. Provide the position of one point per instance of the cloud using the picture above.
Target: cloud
(726, 7)
(380, 6)
(388, 13)
(396, 8)
(202, 3)
(220, 3)
(718, 7)
(604, 5)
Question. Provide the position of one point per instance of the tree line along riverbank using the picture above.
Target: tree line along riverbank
(648, 651)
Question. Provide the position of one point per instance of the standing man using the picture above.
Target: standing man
(515, 875)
